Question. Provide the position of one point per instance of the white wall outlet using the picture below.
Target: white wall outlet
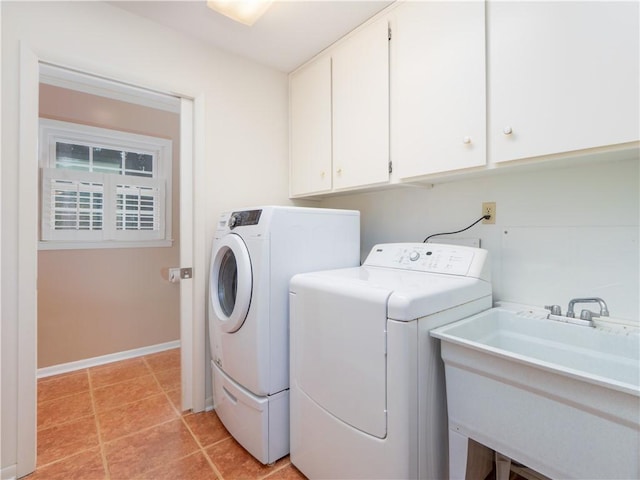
(489, 208)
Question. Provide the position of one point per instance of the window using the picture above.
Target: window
(103, 188)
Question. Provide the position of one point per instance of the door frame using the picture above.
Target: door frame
(192, 251)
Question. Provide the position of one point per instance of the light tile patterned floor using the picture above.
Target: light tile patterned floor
(122, 421)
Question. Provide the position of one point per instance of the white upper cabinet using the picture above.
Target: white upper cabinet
(563, 76)
(361, 108)
(438, 92)
(310, 128)
(462, 87)
(339, 125)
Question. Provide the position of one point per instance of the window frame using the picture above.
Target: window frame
(54, 131)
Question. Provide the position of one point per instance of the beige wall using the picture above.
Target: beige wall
(100, 301)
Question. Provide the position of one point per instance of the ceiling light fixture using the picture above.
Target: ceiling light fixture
(243, 11)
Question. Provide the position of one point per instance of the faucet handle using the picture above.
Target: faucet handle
(588, 315)
(554, 309)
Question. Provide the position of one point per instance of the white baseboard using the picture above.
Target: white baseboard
(9, 473)
(112, 357)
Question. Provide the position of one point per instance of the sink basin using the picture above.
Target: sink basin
(563, 399)
(591, 354)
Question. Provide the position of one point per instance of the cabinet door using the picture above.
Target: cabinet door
(563, 76)
(438, 106)
(361, 108)
(310, 128)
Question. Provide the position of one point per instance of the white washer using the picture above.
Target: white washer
(367, 381)
(255, 252)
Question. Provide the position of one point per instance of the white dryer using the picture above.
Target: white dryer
(367, 381)
(255, 252)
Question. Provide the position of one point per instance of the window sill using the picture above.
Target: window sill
(59, 245)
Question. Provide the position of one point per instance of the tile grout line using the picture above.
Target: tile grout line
(130, 434)
(162, 392)
(202, 449)
(162, 389)
(273, 472)
(62, 424)
(155, 377)
(44, 381)
(57, 425)
(107, 366)
(104, 410)
(103, 454)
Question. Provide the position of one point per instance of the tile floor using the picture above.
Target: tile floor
(122, 421)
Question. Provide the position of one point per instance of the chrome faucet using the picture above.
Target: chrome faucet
(587, 314)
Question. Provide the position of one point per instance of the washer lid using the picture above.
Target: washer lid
(412, 294)
(418, 295)
(230, 283)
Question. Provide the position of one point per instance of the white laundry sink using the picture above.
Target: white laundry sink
(564, 399)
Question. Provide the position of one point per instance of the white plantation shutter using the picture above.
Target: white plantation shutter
(139, 208)
(88, 206)
(72, 205)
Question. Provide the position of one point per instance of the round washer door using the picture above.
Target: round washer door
(231, 283)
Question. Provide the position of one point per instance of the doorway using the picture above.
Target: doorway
(113, 297)
(191, 253)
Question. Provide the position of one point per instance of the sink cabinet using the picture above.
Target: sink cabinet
(438, 96)
(562, 76)
(340, 116)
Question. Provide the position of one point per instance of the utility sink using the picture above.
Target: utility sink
(561, 398)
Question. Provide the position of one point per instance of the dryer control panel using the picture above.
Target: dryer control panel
(244, 218)
(430, 257)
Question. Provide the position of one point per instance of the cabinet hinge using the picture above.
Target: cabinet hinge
(390, 167)
(389, 30)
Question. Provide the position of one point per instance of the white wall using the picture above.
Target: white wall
(560, 233)
(245, 123)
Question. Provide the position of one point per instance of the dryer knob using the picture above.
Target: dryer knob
(413, 256)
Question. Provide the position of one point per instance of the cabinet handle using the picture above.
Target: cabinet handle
(322, 174)
(466, 140)
(507, 130)
(339, 171)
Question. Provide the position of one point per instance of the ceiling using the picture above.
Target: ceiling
(287, 35)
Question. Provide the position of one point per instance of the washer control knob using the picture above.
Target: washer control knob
(413, 256)
(233, 221)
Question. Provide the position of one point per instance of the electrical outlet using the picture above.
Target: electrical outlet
(489, 208)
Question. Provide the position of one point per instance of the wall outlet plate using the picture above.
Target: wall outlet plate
(489, 208)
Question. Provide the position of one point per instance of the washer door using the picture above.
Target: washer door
(231, 283)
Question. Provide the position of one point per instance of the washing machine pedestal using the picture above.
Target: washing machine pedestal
(259, 424)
